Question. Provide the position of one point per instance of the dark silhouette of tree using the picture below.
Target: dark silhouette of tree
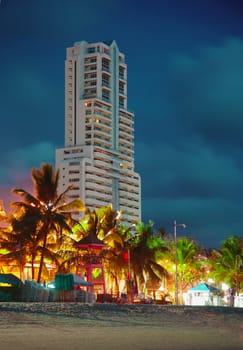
(44, 218)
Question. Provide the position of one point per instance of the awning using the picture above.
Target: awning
(76, 280)
(204, 287)
(81, 282)
(9, 278)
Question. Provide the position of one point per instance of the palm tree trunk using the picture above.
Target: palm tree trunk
(21, 271)
(42, 259)
(32, 267)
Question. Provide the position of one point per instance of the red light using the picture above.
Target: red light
(125, 257)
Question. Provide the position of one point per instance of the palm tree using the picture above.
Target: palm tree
(99, 224)
(144, 248)
(14, 247)
(96, 227)
(115, 253)
(227, 263)
(182, 261)
(44, 218)
(188, 264)
(18, 247)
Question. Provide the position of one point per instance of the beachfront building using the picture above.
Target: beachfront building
(98, 155)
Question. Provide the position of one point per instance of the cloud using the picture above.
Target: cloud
(61, 18)
(191, 169)
(189, 172)
(30, 102)
(205, 92)
(193, 184)
(16, 164)
(208, 221)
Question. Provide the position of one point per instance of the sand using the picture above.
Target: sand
(65, 326)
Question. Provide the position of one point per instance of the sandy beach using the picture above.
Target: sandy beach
(109, 326)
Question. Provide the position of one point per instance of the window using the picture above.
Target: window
(90, 92)
(87, 104)
(121, 88)
(90, 60)
(90, 76)
(105, 80)
(121, 73)
(74, 180)
(91, 49)
(106, 95)
(105, 64)
(90, 68)
(121, 102)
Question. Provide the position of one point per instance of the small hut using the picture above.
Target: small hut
(92, 268)
(203, 294)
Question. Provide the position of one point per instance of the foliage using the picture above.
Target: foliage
(96, 224)
(144, 248)
(40, 229)
(227, 263)
(182, 258)
(39, 223)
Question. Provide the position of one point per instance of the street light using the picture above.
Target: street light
(176, 260)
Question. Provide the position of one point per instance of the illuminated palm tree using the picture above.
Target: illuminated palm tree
(188, 264)
(18, 247)
(115, 253)
(145, 248)
(13, 247)
(182, 259)
(44, 218)
(227, 263)
(99, 224)
(96, 227)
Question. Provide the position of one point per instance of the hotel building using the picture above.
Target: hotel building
(98, 156)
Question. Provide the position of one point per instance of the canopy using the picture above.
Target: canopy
(80, 281)
(204, 287)
(9, 278)
(76, 280)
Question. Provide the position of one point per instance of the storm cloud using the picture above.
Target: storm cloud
(185, 87)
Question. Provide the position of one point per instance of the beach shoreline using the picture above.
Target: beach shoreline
(61, 326)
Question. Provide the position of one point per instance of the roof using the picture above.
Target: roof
(9, 278)
(76, 280)
(80, 281)
(91, 240)
(204, 287)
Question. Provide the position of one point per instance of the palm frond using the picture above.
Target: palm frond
(75, 205)
(27, 196)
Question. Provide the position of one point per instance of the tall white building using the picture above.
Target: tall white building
(98, 157)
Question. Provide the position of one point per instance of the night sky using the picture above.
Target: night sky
(185, 86)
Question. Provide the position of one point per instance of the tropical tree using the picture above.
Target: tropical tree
(188, 264)
(44, 218)
(97, 226)
(182, 261)
(144, 249)
(9, 244)
(116, 253)
(227, 263)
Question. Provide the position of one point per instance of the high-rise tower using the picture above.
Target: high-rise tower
(98, 157)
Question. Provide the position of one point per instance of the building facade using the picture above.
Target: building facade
(98, 155)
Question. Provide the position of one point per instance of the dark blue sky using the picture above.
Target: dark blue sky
(185, 86)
